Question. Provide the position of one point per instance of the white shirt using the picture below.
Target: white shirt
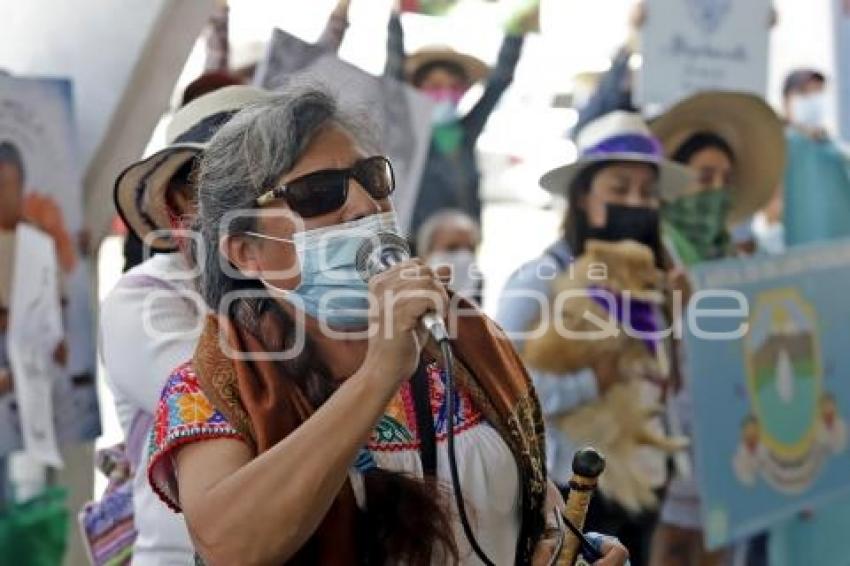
(149, 324)
(490, 486)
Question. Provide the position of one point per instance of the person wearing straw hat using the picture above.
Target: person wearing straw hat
(142, 340)
(613, 193)
(451, 177)
(734, 144)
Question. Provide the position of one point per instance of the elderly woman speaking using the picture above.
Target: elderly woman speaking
(310, 427)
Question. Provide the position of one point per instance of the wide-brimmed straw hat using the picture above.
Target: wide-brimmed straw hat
(140, 189)
(750, 127)
(619, 136)
(475, 69)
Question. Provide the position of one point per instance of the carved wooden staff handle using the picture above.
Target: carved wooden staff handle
(588, 465)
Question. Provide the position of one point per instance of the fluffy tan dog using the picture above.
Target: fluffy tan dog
(582, 332)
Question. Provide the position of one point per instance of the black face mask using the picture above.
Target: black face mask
(637, 223)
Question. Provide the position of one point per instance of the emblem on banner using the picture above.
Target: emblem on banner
(709, 14)
(795, 425)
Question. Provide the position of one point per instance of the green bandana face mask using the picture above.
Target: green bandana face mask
(700, 220)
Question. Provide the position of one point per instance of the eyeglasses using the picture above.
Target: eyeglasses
(327, 190)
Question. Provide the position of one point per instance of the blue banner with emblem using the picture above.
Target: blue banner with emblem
(767, 349)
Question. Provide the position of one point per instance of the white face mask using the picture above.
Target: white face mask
(466, 277)
(809, 110)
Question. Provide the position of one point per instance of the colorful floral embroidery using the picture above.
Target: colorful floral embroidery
(390, 431)
(397, 429)
(193, 407)
(184, 414)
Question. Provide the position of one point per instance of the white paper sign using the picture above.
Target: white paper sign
(35, 330)
(694, 45)
(842, 60)
(402, 116)
(36, 120)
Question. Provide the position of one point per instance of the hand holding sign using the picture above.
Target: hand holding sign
(429, 7)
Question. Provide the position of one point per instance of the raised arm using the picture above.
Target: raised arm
(502, 75)
(335, 28)
(261, 511)
(614, 91)
(396, 55)
(499, 80)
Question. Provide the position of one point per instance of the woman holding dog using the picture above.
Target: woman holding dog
(614, 192)
(734, 145)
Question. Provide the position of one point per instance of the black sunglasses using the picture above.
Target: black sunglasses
(327, 190)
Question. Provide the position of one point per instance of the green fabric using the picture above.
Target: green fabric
(699, 220)
(35, 533)
(817, 191)
(686, 253)
(430, 7)
(516, 23)
(448, 137)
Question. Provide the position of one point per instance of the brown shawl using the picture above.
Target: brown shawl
(265, 407)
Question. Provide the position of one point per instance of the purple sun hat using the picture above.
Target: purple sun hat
(620, 136)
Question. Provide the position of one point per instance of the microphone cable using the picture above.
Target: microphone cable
(448, 361)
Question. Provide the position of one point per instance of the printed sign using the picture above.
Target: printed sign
(40, 164)
(694, 45)
(35, 332)
(771, 418)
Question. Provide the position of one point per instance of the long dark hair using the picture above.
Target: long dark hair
(407, 519)
(575, 221)
(576, 228)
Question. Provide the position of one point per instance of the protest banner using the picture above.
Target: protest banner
(36, 125)
(402, 115)
(694, 45)
(35, 332)
(770, 425)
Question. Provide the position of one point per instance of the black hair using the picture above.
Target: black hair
(575, 221)
(797, 78)
(575, 226)
(420, 74)
(181, 182)
(9, 153)
(700, 141)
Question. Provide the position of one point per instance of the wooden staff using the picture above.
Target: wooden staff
(588, 464)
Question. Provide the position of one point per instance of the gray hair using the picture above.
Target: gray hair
(246, 157)
(441, 218)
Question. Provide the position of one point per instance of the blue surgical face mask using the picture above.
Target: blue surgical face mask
(331, 290)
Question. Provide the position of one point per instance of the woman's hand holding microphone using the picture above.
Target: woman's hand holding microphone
(399, 297)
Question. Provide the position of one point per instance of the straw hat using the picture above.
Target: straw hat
(140, 188)
(750, 127)
(475, 69)
(619, 136)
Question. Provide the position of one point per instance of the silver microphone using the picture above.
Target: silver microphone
(377, 254)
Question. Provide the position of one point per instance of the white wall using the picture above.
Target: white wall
(123, 56)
